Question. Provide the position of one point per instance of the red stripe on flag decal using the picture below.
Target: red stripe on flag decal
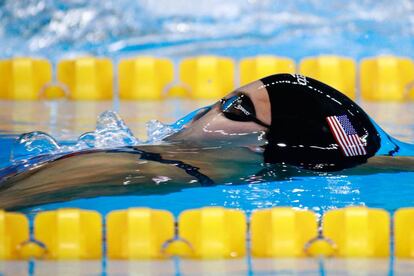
(342, 136)
(358, 145)
(348, 142)
(355, 138)
(337, 136)
(345, 135)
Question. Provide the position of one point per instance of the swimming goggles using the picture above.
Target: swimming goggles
(240, 108)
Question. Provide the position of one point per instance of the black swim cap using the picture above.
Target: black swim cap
(315, 126)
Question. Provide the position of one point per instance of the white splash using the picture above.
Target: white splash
(157, 131)
(110, 132)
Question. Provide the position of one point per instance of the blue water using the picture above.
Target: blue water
(115, 28)
(55, 29)
(315, 192)
(175, 29)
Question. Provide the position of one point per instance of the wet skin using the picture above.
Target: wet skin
(100, 172)
(213, 146)
(225, 150)
(103, 173)
(213, 128)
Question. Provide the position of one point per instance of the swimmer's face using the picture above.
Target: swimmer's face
(212, 127)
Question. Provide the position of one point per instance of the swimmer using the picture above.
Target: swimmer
(292, 119)
(281, 121)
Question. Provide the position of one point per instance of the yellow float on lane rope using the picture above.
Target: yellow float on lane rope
(387, 78)
(138, 233)
(282, 232)
(144, 78)
(207, 77)
(254, 68)
(87, 78)
(404, 233)
(214, 232)
(23, 78)
(358, 231)
(14, 230)
(336, 71)
(70, 233)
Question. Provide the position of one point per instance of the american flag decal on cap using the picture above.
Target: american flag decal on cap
(346, 136)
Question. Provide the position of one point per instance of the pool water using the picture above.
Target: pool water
(298, 28)
(67, 120)
(310, 266)
(176, 29)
